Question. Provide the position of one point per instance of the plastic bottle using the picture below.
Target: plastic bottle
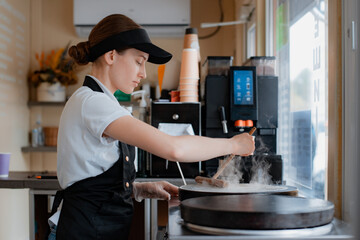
(34, 137)
(142, 104)
(38, 137)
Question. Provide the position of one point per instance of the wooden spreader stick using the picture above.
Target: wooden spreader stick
(218, 182)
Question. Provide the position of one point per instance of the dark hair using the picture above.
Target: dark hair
(109, 26)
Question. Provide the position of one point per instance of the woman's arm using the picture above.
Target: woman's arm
(185, 148)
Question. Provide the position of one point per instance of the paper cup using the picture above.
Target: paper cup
(189, 64)
(175, 96)
(188, 86)
(189, 99)
(193, 93)
(188, 81)
(191, 40)
(4, 164)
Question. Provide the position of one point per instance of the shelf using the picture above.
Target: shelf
(51, 104)
(39, 149)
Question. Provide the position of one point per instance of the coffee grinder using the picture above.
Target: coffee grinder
(234, 103)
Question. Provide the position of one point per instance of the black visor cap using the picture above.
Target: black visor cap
(136, 38)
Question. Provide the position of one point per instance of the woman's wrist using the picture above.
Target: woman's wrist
(233, 145)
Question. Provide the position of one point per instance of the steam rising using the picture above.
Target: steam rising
(232, 173)
(259, 171)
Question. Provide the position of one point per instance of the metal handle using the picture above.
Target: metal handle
(353, 35)
(175, 116)
(223, 119)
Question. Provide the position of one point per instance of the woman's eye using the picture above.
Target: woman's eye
(139, 63)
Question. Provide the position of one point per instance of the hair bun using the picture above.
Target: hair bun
(80, 53)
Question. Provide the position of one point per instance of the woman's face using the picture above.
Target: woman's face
(128, 69)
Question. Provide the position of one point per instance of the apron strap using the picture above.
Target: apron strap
(58, 198)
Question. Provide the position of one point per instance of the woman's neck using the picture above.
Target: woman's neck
(101, 73)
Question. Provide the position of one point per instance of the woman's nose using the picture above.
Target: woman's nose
(142, 72)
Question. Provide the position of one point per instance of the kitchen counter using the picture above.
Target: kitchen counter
(28, 180)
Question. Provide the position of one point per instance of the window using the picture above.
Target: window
(300, 44)
(251, 41)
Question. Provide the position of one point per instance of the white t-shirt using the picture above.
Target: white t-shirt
(82, 152)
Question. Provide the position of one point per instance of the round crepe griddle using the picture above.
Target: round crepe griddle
(201, 190)
(256, 212)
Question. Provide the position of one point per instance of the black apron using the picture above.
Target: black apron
(100, 207)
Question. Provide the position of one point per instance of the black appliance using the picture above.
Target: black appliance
(234, 104)
(175, 112)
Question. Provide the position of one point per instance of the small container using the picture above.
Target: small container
(219, 65)
(175, 96)
(4, 164)
(51, 134)
(265, 65)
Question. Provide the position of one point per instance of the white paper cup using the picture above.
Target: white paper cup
(193, 93)
(189, 99)
(188, 86)
(189, 64)
(188, 81)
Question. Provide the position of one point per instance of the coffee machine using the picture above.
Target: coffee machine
(234, 103)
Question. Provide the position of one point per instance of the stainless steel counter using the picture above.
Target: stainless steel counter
(177, 231)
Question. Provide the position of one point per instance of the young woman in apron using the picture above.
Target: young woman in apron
(97, 136)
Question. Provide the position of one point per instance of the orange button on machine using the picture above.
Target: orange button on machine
(249, 123)
(239, 123)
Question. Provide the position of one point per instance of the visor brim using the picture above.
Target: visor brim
(156, 55)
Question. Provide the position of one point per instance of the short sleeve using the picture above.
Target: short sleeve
(98, 111)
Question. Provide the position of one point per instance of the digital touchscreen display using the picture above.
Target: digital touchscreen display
(243, 87)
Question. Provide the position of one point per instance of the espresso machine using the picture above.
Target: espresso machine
(235, 101)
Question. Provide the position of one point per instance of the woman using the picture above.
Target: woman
(97, 135)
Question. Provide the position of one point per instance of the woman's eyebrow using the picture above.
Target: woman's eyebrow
(143, 57)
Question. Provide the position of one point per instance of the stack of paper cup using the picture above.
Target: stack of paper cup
(189, 76)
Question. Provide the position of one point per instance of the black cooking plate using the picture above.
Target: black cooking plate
(200, 190)
(256, 212)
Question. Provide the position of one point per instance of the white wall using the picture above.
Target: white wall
(14, 113)
(14, 65)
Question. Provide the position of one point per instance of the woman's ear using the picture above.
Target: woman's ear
(109, 57)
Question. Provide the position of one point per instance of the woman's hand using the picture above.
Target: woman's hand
(158, 190)
(244, 144)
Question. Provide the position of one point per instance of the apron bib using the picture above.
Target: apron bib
(100, 207)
